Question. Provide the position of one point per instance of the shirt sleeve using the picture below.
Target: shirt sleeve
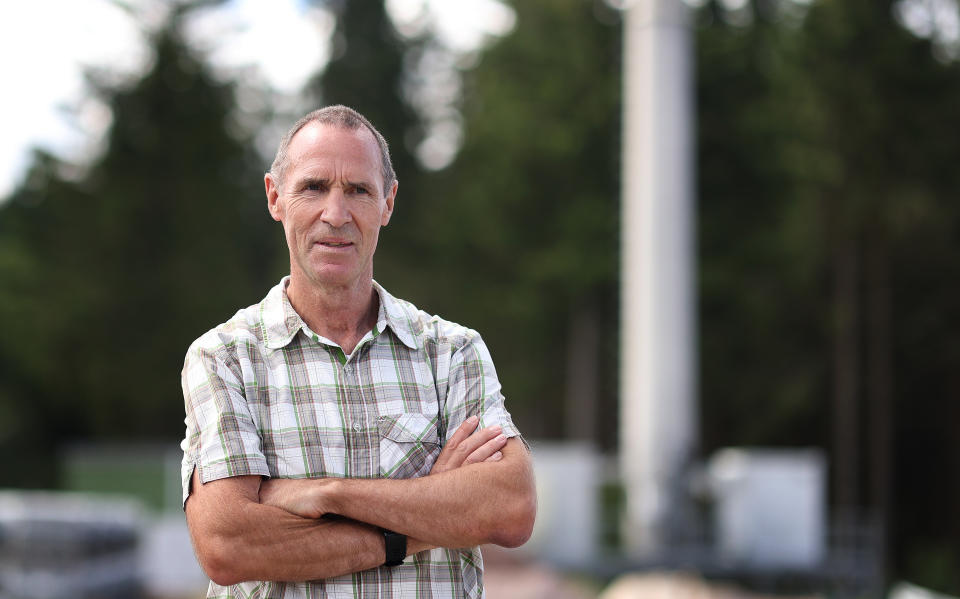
(474, 389)
(222, 439)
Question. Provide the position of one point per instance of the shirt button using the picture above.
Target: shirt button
(356, 426)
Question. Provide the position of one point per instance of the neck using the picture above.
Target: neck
(341, 314)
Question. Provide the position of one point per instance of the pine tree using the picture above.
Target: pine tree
(163, 237)
(526, 224)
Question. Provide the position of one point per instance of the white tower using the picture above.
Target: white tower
(658, 412)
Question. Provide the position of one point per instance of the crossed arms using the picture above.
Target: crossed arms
(480, 490)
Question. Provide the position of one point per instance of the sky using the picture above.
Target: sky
(45, 45)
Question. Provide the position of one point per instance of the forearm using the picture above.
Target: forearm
(238, 539)
(270, 544)
(476, 504)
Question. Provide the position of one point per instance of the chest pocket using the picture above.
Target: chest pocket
(409, 445)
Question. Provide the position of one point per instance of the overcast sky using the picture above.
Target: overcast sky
(45, 45)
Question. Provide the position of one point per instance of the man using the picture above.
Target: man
(339, 441)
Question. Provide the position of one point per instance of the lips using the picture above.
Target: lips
(334, 244)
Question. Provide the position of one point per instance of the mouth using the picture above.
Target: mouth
(333, 244)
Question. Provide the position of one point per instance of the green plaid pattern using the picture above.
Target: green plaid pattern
(267, 396)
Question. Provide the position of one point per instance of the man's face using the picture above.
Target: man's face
(332, 204)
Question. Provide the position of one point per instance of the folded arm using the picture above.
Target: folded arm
(489, 502)
(484, 501)
(236, 538)
(238, 535)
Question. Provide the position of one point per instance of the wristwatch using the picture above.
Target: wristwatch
(396, 546)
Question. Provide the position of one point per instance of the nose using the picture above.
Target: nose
(335, 212)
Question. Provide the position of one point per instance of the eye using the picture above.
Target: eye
(361, 189)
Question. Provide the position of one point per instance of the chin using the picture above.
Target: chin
(337, 279)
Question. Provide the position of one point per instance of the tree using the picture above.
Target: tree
(153, 245)
(525, 221)
(823, 145)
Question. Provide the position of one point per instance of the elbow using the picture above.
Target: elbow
(220, 572)
(513, 538)
(217, 562)
(515, 530)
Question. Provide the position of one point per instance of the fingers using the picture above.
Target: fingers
(464, 431)
(469, 446)
(488, 450)
(444, 460)
(476, 443)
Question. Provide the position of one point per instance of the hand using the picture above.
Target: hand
(301, 496)
(469, 447)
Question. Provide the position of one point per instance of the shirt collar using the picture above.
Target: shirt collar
(393, 314)
(280, 322)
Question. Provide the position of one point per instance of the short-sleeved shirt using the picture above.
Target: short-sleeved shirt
(267, 396)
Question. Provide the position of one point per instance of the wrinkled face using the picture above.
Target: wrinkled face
(332, 204)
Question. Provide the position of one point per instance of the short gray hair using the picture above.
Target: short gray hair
(337, 116)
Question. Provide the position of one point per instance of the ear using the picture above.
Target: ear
(274, 205)
(389, 199)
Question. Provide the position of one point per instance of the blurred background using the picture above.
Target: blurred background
(816, 450)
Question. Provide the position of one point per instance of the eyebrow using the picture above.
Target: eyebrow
(368, 184)
(307, 181)
(325, 181)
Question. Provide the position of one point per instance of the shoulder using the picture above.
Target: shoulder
(425, 328)
(244, 329)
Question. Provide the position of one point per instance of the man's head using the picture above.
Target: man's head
(327, 187)
(338, 116)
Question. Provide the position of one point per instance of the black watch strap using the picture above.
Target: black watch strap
(396, 546)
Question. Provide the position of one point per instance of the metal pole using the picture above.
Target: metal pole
(658, 370)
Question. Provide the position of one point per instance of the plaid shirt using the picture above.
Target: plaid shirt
(267, 396)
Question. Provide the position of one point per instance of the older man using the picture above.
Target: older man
(340, 442)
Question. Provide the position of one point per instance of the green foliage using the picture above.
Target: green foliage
(105, 280)
(763, 314)
(524, 223)
(829, 247)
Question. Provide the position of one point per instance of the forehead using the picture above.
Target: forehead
(321, 147)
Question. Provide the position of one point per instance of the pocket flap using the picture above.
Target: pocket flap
(408, 428)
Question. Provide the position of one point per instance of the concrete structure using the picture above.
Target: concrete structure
(568, 478)
(770, 507)
(658, 388)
